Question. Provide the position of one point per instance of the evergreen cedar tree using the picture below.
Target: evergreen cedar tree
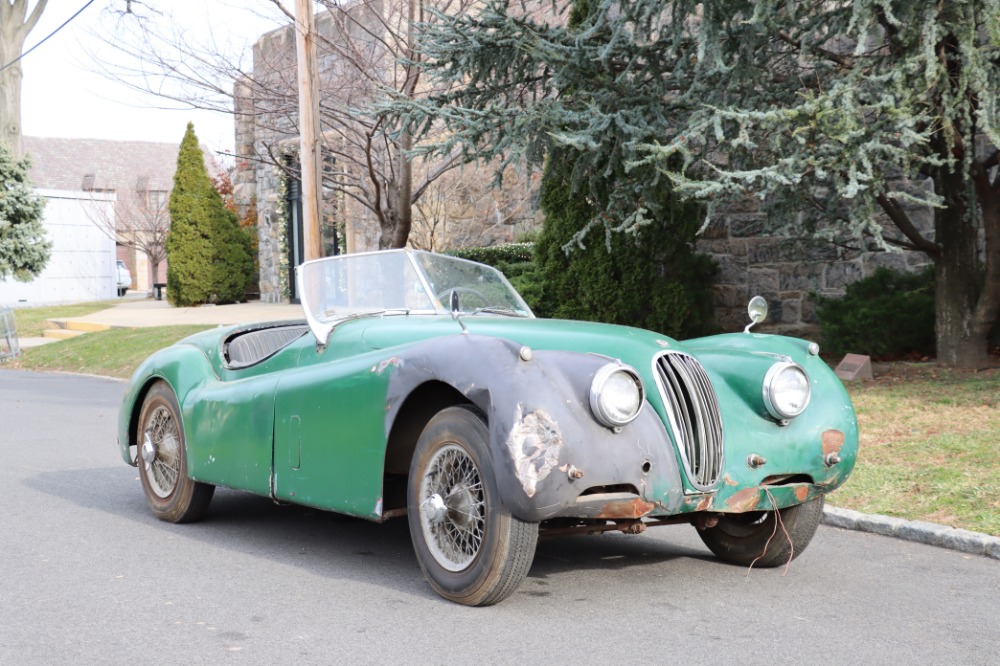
(843, 119)
(209, 256)
(24, 250)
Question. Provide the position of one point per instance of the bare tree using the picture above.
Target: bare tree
(463, 209)
(139, 220)
(15, 24)
(367, 52)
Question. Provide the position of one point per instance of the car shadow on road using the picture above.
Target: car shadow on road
(331, 544)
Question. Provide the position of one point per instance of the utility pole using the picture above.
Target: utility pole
(309, 136)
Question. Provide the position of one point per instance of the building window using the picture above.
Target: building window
(157, 199)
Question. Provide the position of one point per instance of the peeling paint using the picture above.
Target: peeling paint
(534, 445)
(393, 361)
(801, 493)
(730, 481)
(833, 440)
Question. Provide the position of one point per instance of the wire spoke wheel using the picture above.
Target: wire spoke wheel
(160, 442)
(470, 547)
(171, 494)
(453, 513)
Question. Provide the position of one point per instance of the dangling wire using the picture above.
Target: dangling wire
(65, 23)
(777, 521)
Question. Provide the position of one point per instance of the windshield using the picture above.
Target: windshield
(401, 281)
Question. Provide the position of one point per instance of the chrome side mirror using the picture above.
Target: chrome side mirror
(757, 309)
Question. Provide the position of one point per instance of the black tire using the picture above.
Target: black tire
(471, 549)
(741, 538)
(162, 460)
(121, 292)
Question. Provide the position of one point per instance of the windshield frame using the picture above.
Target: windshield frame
(414, 263)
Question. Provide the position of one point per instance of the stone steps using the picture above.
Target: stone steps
(64, 329)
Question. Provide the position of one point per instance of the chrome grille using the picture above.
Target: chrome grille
(693, 410)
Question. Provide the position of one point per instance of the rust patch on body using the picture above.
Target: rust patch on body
(729, 481)
(624, 509)
(801, 493)
(744, 500)
(833, 440)
(705, 502)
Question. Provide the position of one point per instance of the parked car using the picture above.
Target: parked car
(124, 278)
(421, 385)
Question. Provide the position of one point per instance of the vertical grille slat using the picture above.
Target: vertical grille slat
(693, 409)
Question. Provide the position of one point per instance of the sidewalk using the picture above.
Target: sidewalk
(148, 313)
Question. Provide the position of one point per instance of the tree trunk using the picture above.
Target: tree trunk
(10, 91)
(15, 24)
(961, 335)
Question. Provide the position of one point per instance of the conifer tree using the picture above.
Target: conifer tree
(208, 254)
(849, 119)
(24, 250)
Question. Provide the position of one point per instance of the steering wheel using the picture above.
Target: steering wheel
(446, 295)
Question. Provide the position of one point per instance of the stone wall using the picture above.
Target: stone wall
(788, 272)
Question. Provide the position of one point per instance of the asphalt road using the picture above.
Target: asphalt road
(90, 577)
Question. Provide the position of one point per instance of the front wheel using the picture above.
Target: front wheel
(469, 546)
(757, 538)
(163, 461)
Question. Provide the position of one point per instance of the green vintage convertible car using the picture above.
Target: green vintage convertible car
(421, 385)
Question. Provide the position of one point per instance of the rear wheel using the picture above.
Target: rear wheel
(163, 461)
(470, 548)
(756, 537)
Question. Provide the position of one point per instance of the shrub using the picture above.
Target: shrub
(209, 256)
(650, 277)
(886, 315)
(516, 261)
(24, 250)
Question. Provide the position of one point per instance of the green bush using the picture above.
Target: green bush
(210, 258)
(886, 315)
(650, 278)
(516, 261)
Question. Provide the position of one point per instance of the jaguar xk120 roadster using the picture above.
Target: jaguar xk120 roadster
(421, 385)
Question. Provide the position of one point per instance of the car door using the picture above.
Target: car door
(329, 435)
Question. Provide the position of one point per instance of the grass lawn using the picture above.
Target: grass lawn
(31, 321)
(114, 353)
(929, 438)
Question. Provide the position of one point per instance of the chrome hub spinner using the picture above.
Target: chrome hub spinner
(148, 449)
(435, 509)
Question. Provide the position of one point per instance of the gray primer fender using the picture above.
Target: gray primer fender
(541, 425)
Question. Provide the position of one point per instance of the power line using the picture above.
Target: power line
(65, 23)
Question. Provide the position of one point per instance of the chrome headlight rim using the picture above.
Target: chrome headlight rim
(770, 388)
(597, 386)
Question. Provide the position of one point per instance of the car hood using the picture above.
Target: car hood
(580, 336)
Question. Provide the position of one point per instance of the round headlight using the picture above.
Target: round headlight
(616, 395)
(786, 390)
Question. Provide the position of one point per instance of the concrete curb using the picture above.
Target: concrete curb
(920, 531)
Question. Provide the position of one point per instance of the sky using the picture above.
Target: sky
(64, 95)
